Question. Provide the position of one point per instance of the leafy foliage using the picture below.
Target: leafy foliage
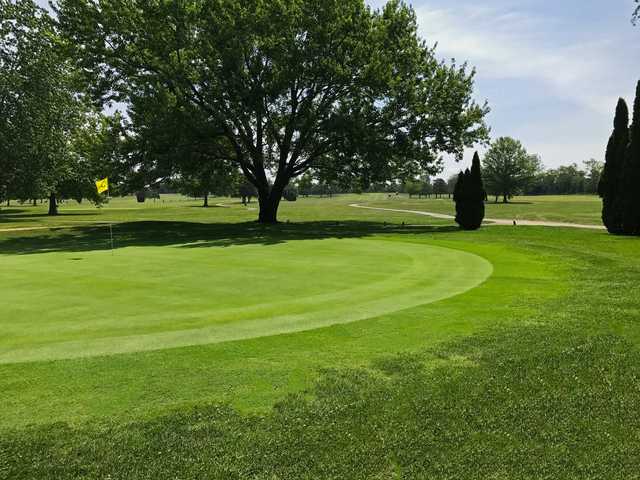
(568, 180)
(51, 142)
(508, 168)
(289, 85)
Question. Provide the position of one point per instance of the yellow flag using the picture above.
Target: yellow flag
(102, 185)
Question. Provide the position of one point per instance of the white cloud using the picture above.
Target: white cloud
(508, 44)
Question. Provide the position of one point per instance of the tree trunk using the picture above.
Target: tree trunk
(269, 200)
(505, 199)
(35, 202)
(53, 205)
(206, 200)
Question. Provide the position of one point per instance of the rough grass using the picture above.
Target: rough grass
(488, 409)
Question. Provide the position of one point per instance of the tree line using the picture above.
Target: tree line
(509, 170)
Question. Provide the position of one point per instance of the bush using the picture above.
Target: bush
(290, 194)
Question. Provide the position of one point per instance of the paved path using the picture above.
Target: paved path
(493, 221)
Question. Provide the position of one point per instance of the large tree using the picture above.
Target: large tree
(509, 168)
(593, 173)
(43, 118)
(611, 188)
(32, 101)
(290, 85)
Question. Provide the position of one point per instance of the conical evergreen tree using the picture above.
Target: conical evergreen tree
(631, 175)
(611, 182)
(469, 195)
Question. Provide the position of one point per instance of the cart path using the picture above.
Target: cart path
(492, 221)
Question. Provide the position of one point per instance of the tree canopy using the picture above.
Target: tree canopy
(52, 142)
(509, 168)
(288, 85)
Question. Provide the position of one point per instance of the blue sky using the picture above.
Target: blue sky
(552, 70)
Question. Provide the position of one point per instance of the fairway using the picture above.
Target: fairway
(78, 304)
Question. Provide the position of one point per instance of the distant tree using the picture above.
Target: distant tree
(204, 179)
(290, 193)
(567, 180)
(631, 175)
(412, 187)
(246, 191)
(305, 184)
(508, 168)
(440, 187)
(469, 195)
(610, 187)
(451, 184)
(593, 173)
(426, 188)
(570, 179)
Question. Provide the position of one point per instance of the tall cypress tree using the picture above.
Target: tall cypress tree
(631, 175)
(469, 195)
(611, 187)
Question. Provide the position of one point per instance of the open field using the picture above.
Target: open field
(364, 345)
(569, 208)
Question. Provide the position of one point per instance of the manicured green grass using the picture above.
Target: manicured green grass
(532, 374)
(254, 372)
(77, 304)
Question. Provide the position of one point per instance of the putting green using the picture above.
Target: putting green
(70, 304)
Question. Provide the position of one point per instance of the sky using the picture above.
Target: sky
(551, 70)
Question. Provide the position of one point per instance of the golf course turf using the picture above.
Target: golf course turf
(150, 298)
(529, 369)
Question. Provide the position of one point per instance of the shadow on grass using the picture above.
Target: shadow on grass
(15, 216)
(197, 235)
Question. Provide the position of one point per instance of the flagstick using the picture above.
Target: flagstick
(111, 235)
(110, 226)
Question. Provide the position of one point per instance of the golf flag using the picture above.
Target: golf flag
(102, 185)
